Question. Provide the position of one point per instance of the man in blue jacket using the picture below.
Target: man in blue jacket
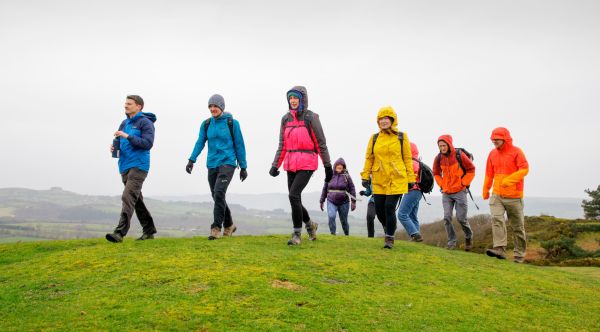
(136, 137)
(226, 151)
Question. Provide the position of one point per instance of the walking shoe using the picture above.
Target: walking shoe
(215, 233)
(228, 231)
(519, 259)
(389, 242)
(468, 244)
(311, 228)
(451, 246)
(145, 237)
(497, 252)
(295, 240)
(417, 237)
(114, 237)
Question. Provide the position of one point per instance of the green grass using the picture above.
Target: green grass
(259, 283)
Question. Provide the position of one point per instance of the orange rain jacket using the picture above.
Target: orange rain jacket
(447, 172)
(506, 168)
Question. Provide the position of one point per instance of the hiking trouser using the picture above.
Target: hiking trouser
(385, 208)
(514, 212)
(297, 181)
(459, 201)
(132, 199)
(371, 219)
(342, 210)
(407, 213)
(218, 180)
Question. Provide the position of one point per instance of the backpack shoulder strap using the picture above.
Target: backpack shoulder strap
(308, 124)
(206, 124)
(374, 140)
(459, 160)
(401, 138)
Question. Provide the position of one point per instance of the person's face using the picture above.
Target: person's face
(294, 102)
(215, 111)
(385, 123)
(443, 147)
(498, 143)
(339, 168)
(131, 107)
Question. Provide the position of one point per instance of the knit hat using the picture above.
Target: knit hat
(218, 101)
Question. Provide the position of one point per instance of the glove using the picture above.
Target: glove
(328, 173)
(486, 195)
(362, 193)
(243, 174)
(189, 167)
(366, 184)
(353, 206)
(410, 185)
(322, 206)
(274, 172)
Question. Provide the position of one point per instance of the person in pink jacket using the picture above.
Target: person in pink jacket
(301, 141)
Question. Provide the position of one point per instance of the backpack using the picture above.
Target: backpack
(229, 124)
(460, 164)
(426, 179)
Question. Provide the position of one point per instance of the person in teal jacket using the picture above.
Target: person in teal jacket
(226, 151)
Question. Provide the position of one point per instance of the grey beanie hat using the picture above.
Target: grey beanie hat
(218, 101)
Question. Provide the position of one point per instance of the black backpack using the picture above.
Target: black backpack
(426, 179)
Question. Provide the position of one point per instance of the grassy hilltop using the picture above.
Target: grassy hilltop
(258, 283)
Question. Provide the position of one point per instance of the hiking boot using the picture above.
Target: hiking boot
(295, 240)
(114, 237)
(215, 233)
(389, 242)
(519, 260)
(451, 246)
(417, 238)
(145, 237)
(497, 252)
(468, 244)
(228, 231)
(311, 228)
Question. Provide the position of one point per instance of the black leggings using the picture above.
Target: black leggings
(385, 207)
(297, 181)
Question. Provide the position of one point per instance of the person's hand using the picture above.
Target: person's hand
(189, 167)
(121, 134)
(485, 195)
(410, 185)
(112, 148)
(243, 174)
(274, 172)
(353, 206)
(362, 193)
(322, 203)
(366, 184)
(328, 173)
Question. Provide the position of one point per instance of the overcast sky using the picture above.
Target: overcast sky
(447, 67)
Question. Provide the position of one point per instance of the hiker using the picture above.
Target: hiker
(371, 212)
(409, 205)
(340, 195)
(226, 151)
(506, 168)
(453, 171)
(132, 145)
(301, 141)
(388, 163)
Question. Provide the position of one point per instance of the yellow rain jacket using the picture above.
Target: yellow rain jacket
(389, 167)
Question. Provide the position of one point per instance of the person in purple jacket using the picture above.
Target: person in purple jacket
(340, 195)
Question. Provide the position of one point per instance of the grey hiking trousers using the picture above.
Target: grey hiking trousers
(459, 201)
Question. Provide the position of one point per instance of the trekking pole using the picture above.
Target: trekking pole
(469, 191)
(425, 199)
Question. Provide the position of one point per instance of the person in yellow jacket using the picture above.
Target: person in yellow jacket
(506, 168)
(389, 169)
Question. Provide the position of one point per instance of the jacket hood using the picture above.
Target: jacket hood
(503, 134)
(414, 150)
(389, 112)
(224, 115)
(448, 140)
(303, 101)
(150, 116)
(340, 161)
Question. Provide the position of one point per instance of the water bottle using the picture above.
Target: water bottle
(116, 147)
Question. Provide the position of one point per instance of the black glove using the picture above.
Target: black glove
(243, 174)
(410, 185)
(362, 193)
(189, 167)
(274, 172)
(366, 184)
(328, 173)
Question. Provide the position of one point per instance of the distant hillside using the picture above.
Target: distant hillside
(259, 283)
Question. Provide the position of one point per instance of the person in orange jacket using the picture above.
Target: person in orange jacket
(506, 168)
(453, 182)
